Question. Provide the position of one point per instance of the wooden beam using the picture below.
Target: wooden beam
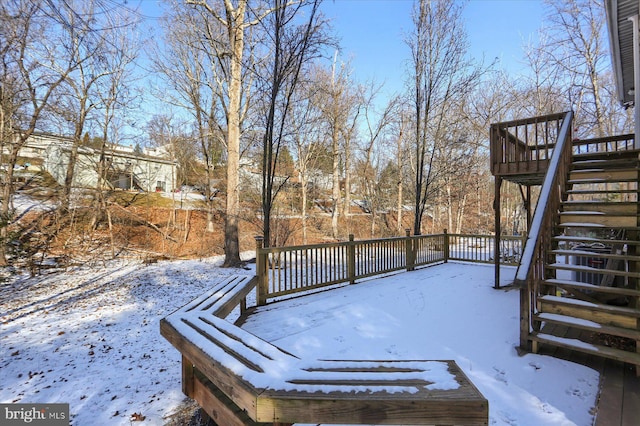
(241, 392)
(220, 408)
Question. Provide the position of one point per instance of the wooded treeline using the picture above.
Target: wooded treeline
(261, 86)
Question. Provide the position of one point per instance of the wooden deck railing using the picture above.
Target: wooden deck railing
(283, 271)
(606, 144)
(523, 147)
(538, 245)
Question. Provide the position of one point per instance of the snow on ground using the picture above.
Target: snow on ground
(447, 311)
(91, 338)
(23, 203)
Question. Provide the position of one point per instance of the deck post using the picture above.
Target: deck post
(261, 272)
(188, 377)
(496, 244)
(351, 260)
(525, 316)
(446, 245)
(410, 253)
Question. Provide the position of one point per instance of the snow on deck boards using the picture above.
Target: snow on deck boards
(273, 385)
(448, 311)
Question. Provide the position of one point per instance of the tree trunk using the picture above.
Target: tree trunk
(399, 202)
(303, 209)
(346, 207)
(460, 215)
(68, 179)
(336, 182)
(7, 197)
(231, 228)
(449, 208)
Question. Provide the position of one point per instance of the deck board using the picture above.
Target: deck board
(631, 397)
(611, 391)
(619, 400)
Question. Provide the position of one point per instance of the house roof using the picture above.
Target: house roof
(621, 43)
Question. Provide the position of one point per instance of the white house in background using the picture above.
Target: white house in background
(126, 168)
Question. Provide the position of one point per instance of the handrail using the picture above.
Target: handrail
(549, 200)
(531, 271)
(532, 120)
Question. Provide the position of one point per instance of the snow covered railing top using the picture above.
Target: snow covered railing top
(233, 374)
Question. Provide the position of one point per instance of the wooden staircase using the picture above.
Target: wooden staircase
(591, 281)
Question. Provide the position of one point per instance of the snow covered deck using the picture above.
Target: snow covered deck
(234, 374)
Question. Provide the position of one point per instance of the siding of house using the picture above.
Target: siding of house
(127, 169)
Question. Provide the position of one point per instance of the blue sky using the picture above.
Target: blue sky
(371, 33)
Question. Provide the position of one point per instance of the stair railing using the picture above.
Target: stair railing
(531, 271)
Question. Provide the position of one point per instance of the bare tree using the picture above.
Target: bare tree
(441, 76)
(577, 45)
(376, 125)
(237, 18)
(113, 97)
(195, 63)
(338, 100)
(292, 45)
(76, 98)
(349, 134)
(401, 129)
(171, 133)
(38, 59)
(104, 44)
(308, 148)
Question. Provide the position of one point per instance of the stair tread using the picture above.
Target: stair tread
(609, 164)
(596, 176)
(605, 203)
(600, 180)
(571, 238)
(603, 168)
(584, 268)
(597, 213)
(627, 208)
(587, 253)
(595, 226)
(588, 325)
(593, 287)
(619, 310)
(602, 191)
(590, 348)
